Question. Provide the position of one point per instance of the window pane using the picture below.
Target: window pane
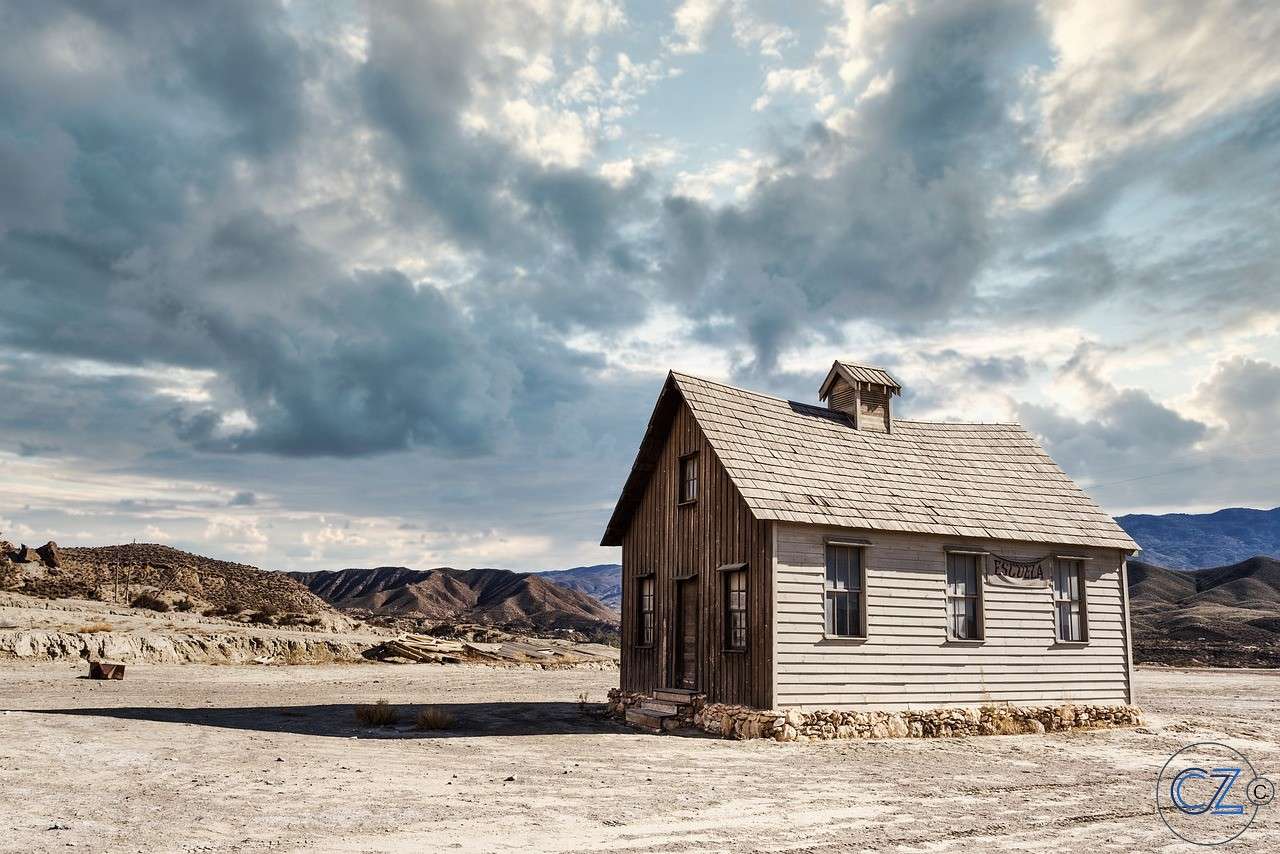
(842, 615)
(855, 615)
(830, 618)
(855, 569)
(833, 554)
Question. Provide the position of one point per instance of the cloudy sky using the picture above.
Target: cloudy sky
(317, 285)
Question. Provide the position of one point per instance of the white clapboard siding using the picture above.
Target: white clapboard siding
(906, 660)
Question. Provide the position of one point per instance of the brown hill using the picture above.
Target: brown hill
(121, 572)
(1226, 616)
(487, 596)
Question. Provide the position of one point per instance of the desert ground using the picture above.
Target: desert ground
(243, 758)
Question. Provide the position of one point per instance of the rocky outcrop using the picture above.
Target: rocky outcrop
(794, 725)
(176, 648)
(50, 555)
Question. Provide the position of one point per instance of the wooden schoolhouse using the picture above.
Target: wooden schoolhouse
(779, 554)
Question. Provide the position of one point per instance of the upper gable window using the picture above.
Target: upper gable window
(688, 478)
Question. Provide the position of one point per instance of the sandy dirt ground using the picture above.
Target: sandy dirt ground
(240, 758)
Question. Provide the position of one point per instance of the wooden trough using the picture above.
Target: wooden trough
(106, 670)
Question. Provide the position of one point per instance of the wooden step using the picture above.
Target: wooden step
(663, 707)
(674, 695)
(651, 721)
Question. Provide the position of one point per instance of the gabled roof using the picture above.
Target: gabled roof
(855, 374)
(796, 462)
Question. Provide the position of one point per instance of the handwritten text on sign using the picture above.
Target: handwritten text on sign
(1023, 573)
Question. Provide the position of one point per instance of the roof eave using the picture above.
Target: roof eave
(664, 409)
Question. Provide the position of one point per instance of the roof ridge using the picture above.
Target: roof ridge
(700, 378)
(1017, 424)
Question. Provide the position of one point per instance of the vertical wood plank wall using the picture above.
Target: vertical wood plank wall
(907, 660)
(671, 541)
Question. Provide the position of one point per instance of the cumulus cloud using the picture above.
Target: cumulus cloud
(890, 221)
(449, 248)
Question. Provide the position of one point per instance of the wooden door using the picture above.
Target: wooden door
(687, 636)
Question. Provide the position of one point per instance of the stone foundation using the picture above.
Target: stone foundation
(794, 725)
(619, 701)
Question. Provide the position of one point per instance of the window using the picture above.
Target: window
(688, 478)
(964, 596)
(735, 609)
(844, 592)
(1068, 601)
(645, 632)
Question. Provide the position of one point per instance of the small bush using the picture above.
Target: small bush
(184, 605)
(94, 628)
(434, 717)
(231, 609)
(151, 602)
(380, 713)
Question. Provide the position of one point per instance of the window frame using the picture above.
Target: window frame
(829, 592)
(978, 596)
(1081, 574)
(684, 499)
(646, 630)
(729, 576)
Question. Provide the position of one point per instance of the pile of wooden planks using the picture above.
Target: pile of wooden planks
(422, 649)
(418, 649)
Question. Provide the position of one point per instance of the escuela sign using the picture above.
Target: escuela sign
(1019, 573)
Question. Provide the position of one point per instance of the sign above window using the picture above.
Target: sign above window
(1019, 573)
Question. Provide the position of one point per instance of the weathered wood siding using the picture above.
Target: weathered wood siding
(873, 411)
(674, 541)
(869, 405)
(907, 659)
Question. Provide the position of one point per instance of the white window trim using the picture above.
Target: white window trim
(1081, 568)
(862, 546)
(981, 573)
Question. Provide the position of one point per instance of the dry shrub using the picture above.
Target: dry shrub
(264, 616)
(151, 602)
(435, 717)
(380, 713)
(184, 605)
(1009, 726)
(94, 628)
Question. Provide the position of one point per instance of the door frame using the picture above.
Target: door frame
(687, 586)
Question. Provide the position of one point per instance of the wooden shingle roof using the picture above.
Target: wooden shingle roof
(796, 462)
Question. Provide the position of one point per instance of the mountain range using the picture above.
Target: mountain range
(490, 596)
(1228, 615)
(1198, 541)
(602, 582)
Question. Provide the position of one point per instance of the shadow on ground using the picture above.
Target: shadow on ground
(338, 721)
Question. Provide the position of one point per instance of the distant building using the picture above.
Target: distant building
(785, 555)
